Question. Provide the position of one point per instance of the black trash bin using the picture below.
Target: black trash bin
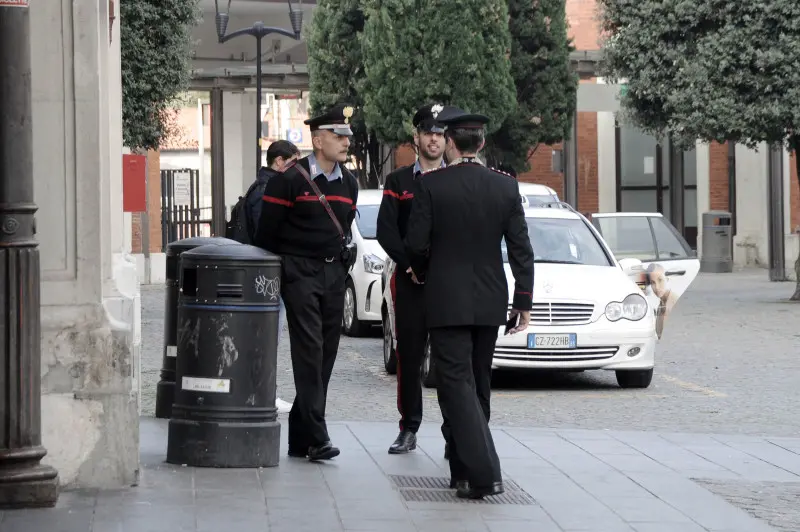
(165, 389)
(224, 413)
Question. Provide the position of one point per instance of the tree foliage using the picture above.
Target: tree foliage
(546, 86)
(707, 69)
(712, 70)
(416, 52)
(156, 45)
(336, 71)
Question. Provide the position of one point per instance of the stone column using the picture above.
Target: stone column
(24, 481)
(90, 319)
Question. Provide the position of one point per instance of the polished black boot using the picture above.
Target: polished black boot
(406, 442)
(464, 490)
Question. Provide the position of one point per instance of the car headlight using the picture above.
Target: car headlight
(373, 264)
(633, 308)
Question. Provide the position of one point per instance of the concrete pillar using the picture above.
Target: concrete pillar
(751, 243)
(606, 162)
(703, 154)
(90, 318)
(240, 144)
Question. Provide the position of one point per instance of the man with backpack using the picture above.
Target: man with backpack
(246, 213)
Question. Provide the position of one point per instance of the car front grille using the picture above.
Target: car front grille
(561, 313)
(579, 354)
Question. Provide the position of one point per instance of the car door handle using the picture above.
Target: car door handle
(676, 272)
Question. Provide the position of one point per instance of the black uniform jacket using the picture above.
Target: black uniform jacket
(398, 191)
(294, 222)
(458, 220)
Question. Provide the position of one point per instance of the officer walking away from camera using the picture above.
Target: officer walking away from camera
(412, 334)
(306, 218)
(458, 220)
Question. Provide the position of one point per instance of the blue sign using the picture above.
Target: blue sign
(294, 135)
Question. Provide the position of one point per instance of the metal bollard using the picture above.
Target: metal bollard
(165, 389)
(224, 413)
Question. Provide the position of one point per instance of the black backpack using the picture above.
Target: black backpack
(242, 227)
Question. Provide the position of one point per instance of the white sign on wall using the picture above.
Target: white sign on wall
(181, 186)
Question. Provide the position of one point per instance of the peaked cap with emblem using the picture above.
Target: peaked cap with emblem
(426, 118)
(336, 119)
(453, 117)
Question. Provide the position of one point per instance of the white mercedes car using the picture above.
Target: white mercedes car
(535, 194)
(590, 310)
(363, 294)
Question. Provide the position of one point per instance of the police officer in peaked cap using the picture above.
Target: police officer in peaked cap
(458, 221)
(306, 218)
(407, 292)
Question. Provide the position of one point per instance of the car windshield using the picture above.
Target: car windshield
(563, 241)
(539, 199)
(367, 220)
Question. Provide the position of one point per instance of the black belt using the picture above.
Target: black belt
(332, 258)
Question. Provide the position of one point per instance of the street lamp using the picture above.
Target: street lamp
(259, 31)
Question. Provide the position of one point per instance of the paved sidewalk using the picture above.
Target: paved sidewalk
(556, 480)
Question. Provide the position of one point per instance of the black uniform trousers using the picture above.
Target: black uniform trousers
(313, 293)
(412, 334)
(463, 357)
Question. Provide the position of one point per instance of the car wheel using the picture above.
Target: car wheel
(351, 325)
(634, 378)
(389, 355)
(428, 370)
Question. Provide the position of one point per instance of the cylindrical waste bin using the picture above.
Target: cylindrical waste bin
(224, 413)
(165, 389)
(717, 252)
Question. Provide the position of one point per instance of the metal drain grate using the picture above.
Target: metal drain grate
(427, 495)
(437, 489)
(437, 483)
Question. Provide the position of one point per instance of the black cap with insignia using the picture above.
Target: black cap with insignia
(336, 119)
(453, 117)
(426, 118)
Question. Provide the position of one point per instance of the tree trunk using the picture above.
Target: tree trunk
(375, 162)
(795, 145)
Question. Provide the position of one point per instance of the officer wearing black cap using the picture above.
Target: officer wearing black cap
(458, 221)
(306, 218)
(398, 193)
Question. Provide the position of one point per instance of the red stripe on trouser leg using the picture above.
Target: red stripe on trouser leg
(393, 290)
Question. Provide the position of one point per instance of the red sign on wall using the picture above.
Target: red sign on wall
(134, 179)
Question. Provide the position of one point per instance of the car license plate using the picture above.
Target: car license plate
(552, 341)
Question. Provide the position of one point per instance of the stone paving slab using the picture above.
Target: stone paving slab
(566, 480)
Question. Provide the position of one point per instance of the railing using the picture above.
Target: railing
(181, 213)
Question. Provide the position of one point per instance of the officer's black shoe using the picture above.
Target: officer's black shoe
(297, 453)
(467, 491)
(326, 451)
(447, 451)
(406, 442)
(459, 484)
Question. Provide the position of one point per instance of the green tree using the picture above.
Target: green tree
(419, 51)
(546, 86)
(336, 70)
(156, 45)
(708, 69)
